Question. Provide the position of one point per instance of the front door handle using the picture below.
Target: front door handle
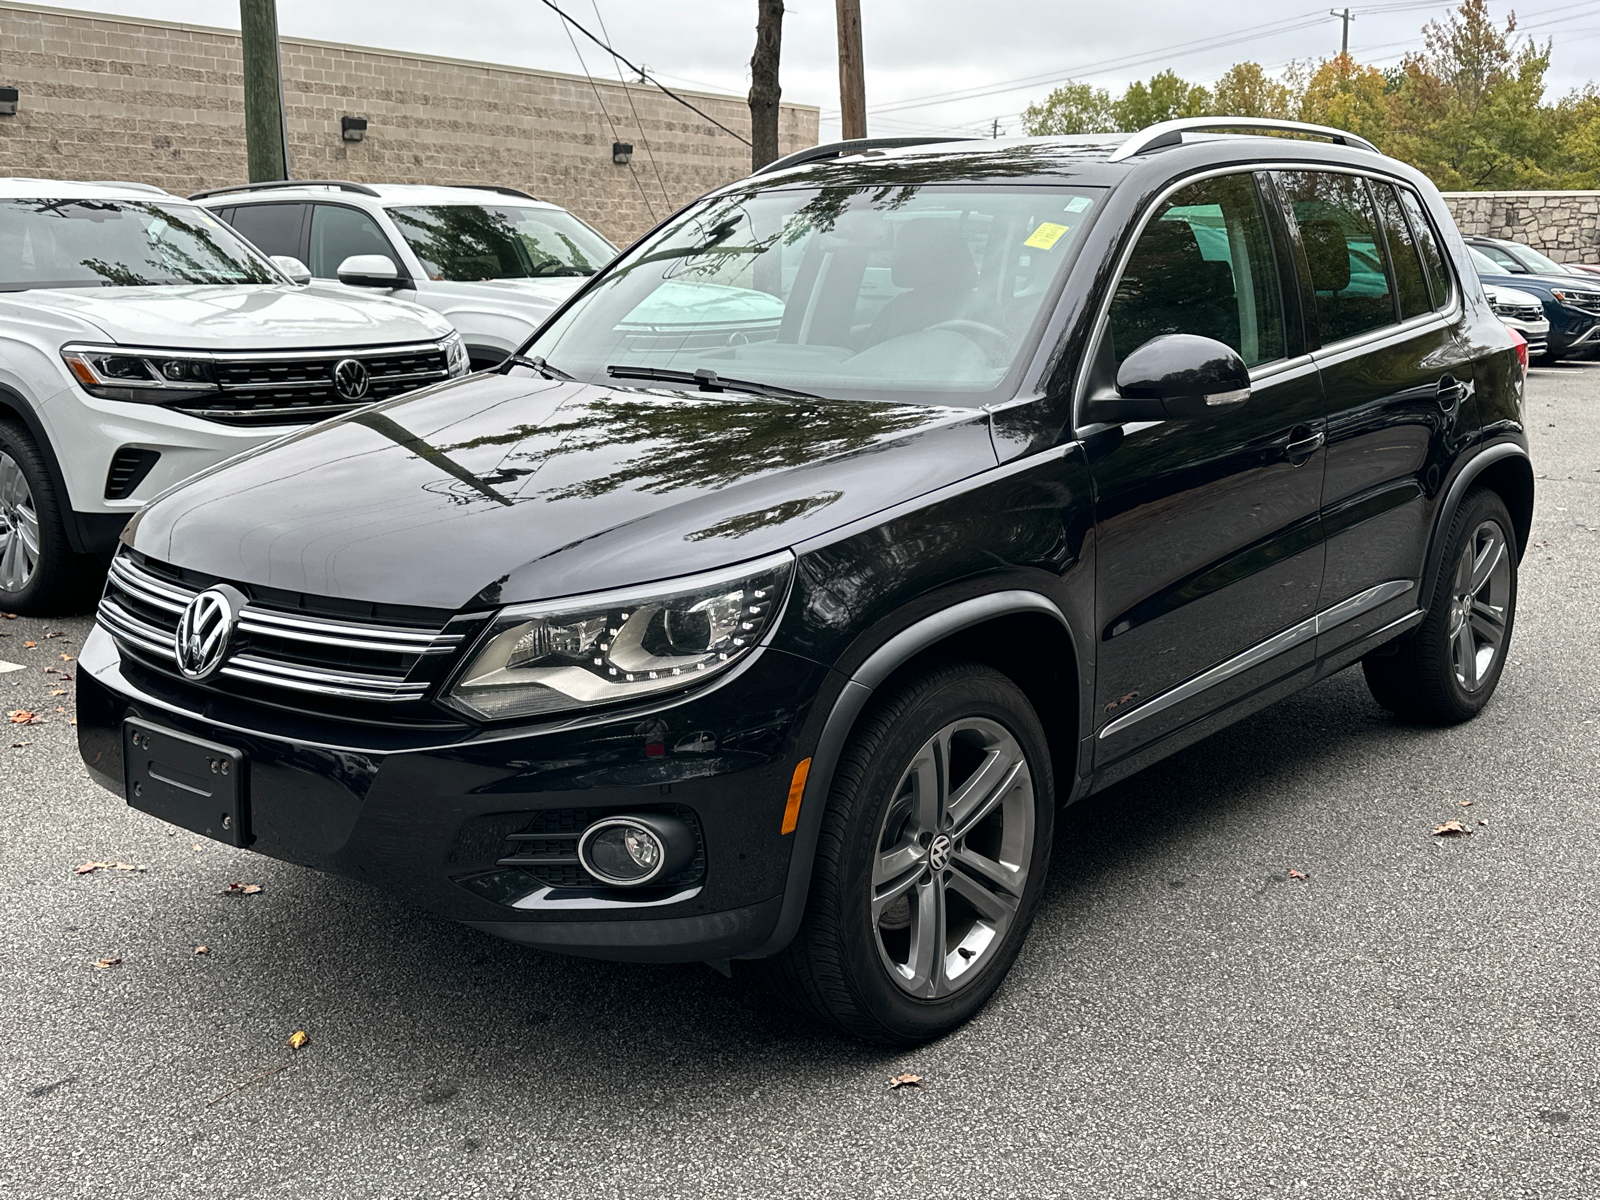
(1303, 443)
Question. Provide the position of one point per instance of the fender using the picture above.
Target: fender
(847, 706)
(1474, 467)
(81, 539)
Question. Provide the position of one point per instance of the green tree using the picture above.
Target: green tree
(1166, 96)
(1071, 108)
(1346, 95)
(1246, 90)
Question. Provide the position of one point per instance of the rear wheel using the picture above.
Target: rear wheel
(932, 856)
(1447, 670)
(39, 573)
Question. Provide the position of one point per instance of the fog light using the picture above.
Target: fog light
(632, 851)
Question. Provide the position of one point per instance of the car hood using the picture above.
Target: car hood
(1538, 284)
(502, 488)
(242, 317)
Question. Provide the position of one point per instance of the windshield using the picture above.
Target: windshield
(881, 291)
(1483, 264)
(1540, 264)
(120, 243)
(469, 243)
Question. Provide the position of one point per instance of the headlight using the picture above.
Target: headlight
(1588, 301)
(561, 655)
(455, 354)
(151, 376)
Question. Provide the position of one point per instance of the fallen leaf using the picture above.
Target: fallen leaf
(66, 658)
(202, 949)
(1293, 874)
(87, 868)
(240, 889)
(20, 745)
(197, 845)
(59, 692)
(297, 1039)
(1450, 829)
(1466, 804)
(905, 1081)
(59, 709)
(55, 634)
(21, 716)
(29, 645)
(9, 616)
(105, 964)
(1483, 822)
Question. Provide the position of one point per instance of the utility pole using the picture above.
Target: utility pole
(852, 81)
(764, 89)
(1344, 40)
(266, 128)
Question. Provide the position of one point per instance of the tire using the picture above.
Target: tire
(39, 573)
(860, 961)
(1447, 670)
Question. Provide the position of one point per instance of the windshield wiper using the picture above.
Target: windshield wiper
(708, 380)
(538, 363)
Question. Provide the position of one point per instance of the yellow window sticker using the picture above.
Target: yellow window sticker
(1046, 236)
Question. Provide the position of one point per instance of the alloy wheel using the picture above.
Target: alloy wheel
(1480, 604)
(19, 527)
(950, 864)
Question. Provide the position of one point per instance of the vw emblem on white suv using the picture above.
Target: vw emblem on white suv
(351, 379)
(204, 630)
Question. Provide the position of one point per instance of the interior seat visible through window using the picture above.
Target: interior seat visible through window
(933, 260)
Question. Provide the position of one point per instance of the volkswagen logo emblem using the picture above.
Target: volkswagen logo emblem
(204, 630)
(939, 853)
(351, 379)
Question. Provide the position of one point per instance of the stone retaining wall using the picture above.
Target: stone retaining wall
(107, 97)
(1564, 225)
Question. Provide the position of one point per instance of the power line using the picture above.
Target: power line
(641, 71)
(650, 208)
(628, 92)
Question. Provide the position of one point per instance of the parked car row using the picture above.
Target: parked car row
(144, 340)
(1568, 297)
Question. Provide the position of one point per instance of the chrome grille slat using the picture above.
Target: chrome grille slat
(280, 648)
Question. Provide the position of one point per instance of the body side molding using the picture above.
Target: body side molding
(879, 665)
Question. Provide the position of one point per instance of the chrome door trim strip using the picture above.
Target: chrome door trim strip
(1328, 618)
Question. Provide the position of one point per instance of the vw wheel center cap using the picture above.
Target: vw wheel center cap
(204, 630)
(350, 378)
(939, 853)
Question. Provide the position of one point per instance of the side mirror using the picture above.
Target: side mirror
(296, 270)
(369, 270)
(1177, 376)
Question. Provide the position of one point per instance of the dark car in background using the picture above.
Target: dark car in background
(769, 603)
(1571, 305)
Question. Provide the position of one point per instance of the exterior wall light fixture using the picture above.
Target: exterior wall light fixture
(8, 101)
(353, 129)
(621, 153)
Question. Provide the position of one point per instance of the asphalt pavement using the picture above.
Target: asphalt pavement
(1415, 1018)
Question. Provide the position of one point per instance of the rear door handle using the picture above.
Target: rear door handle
(1452, 392)
(1303, 444)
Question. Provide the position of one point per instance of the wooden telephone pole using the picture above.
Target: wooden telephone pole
(266, 132)
(764, 89)
(852, 81)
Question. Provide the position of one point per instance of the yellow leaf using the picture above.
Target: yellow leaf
(297, 1039)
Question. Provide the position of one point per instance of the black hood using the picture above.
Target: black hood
(503, 488)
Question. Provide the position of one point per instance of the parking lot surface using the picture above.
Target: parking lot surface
(1414, 1018)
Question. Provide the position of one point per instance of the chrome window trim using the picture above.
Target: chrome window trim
(1329, 618)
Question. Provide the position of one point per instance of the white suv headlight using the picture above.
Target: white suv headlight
(559, 655)
(455, 353)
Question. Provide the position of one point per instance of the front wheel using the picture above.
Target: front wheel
(931, 859)
(39, 573)
(1447, 670)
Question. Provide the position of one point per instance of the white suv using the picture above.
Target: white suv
(142, 341)
(494, 260)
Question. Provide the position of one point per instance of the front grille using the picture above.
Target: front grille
(1523, 312)
(287, 649)
(288, 388)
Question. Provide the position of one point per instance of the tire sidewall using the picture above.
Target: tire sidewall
(52, 577)
(1481, 505)
(980, 693)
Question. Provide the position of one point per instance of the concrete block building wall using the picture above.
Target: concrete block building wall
(107, 97)
(1564, 225)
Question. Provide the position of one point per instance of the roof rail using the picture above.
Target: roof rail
(343, 185)
(1170, 133)
(493, 187)
(854, 146)
(128, 183)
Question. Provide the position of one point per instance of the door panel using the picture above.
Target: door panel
(1394, 396)
(1208, 537)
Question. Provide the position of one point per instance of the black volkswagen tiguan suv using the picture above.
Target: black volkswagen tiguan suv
(768, 604)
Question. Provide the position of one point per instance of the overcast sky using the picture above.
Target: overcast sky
(918, 52)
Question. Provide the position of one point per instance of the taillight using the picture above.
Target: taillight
(1522, 349)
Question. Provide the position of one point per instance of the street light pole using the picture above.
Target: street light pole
(266, 131)
(852, 82)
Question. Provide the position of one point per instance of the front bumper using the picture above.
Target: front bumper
(424, 813)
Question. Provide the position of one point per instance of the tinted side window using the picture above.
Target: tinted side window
(1205, 266)
(1500, 257)
(274, 228)
(338, 232)
(1340, 235)
(1409, 280)
(1440, 282)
